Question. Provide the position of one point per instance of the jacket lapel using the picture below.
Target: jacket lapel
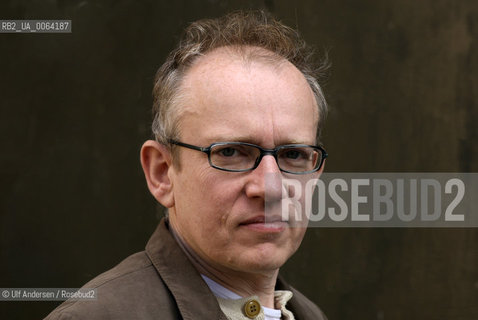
(192, 295)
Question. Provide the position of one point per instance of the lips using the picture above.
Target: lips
(260, 223)
(263, 219)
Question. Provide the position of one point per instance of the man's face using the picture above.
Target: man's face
(229, 99)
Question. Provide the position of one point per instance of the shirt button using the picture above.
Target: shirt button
(252, 308)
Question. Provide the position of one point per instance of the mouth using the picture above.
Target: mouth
(263, 224)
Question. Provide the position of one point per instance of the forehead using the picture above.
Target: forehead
(247, 85)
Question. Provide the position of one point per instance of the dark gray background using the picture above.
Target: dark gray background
(75, 109)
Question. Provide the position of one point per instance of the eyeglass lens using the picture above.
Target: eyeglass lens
(243, 157)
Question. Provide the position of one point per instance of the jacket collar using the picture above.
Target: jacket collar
(192, 295)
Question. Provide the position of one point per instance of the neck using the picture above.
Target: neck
(245, 284)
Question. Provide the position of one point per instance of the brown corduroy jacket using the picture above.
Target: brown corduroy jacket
(160, 283)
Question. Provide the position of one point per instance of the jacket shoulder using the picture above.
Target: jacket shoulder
(132, 289)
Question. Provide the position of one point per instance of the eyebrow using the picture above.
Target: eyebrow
(248, 139)
(251, 139)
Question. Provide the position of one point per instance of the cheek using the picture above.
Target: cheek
(218, 189)
(299, 236)
(207, 198)
(291, 244)
(291, 241)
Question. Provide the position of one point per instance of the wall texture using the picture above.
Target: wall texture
(75, 109)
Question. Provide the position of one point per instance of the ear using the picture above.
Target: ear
(156, 163)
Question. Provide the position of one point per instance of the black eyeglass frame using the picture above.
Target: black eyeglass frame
(263, 152)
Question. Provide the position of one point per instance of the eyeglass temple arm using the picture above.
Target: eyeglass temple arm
(190, 146)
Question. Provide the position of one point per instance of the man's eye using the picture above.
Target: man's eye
(293, 154)
(228, 152)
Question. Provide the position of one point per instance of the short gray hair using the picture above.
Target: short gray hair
(237, 29)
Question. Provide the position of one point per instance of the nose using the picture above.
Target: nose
(265, 181)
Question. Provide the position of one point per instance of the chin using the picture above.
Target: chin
(261, 263)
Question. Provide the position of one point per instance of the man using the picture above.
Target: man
(235, 103)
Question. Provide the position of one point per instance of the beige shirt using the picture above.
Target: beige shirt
(233, 308)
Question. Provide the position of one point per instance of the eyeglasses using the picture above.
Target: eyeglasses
(241, 156)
